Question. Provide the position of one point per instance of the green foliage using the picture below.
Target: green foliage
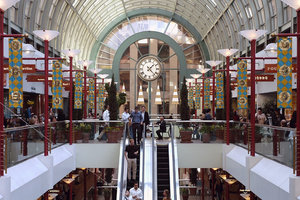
(83, 127)
(184, 191)
(121, 99)
(206, 128)
(112, 100)
(184, 106)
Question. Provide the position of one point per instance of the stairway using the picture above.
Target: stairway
(163, 175)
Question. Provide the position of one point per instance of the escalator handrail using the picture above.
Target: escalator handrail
(173, 162)
(122, 164)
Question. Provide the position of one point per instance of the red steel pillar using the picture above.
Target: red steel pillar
(298, 96)
(227, 100)
(1, 93)
(213, 94)
(71, 102)
(84, 184)
(95, 99)
(202, 179)
(252, 101)
(202, 92)
(46, 99)
(95, 185)
(84, 94)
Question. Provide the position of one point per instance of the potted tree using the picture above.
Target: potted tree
(185, 193)
(206, 131)
(185, 131)
(85, 129)
(108, 179)
(115, 130)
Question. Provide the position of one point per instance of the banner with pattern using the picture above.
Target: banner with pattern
(101, 97)
(91, 93)
(284, 73)
(219, 90)
(15, 73)
(197, 96)
(57, 83)
(191, 97)
(78, 90)
(242, 87)
(207, 93)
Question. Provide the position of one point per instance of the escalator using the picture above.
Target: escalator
(163, 172)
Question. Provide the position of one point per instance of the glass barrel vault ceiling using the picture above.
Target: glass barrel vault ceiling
(80, 22)
(148, 23)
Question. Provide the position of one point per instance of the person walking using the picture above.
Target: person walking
(106, 114)
(137, 122)
(136, 193)
(146, 120)
(260, 117)
(131, 154)
(125, 119)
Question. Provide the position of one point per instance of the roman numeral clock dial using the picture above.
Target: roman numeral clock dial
(149, 68)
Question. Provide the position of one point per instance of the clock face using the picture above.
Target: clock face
(149, 68)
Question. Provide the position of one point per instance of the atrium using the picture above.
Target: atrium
(149, 100)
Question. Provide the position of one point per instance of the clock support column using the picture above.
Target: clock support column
(133, 77)
(153, 107)
(174, 79)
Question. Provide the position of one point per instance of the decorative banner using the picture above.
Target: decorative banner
(272, 68)
(207, 94)
(219, 90)
(15, 73)
(78, 90)
(242, 84)
(191, 97)
(197, 96)
(57, 100)
(101, 97)
(284, 73)
(91, 93)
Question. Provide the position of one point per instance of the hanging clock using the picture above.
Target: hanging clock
(149, 68)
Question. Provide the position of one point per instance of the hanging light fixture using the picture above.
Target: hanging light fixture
(158, 97)
(123, 89)
(175, 100)
(140, 100)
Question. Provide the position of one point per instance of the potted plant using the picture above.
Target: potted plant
(115, 130)
(185, 193)
(193, 179)
(185, 131)
(206, 131)
(85, 129)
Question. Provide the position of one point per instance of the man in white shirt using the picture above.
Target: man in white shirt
(136, 193)
(106, 114)
(125, 119)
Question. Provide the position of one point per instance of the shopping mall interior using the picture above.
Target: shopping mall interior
(149, 100)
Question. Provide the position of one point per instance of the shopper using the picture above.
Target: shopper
(162, 127)
(260, 117)
(135, 192)
(145, 115)
(106, 114)
(131, 153)
(137, 121)
(166, 195)
(125, 119)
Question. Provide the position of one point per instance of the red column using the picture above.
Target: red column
(195, 109)
(252, 101)
(71, 191)
(227, 99)
(202, 179)
(71, 102)
(46, 99)
(203, 92)
(84, 184)
(213, 94)
(275, 140)
(95, 185)
(227, 191)
(1, 94)
(84, 94)
(298, 96)
(95, 99)
(24, 137)
(213, 184)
